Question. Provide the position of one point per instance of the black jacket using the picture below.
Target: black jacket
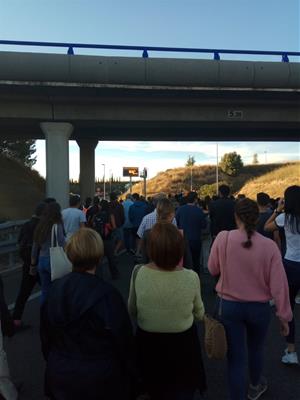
(87, 340)
(221, 213)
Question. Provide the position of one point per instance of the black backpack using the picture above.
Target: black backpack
(100, 223)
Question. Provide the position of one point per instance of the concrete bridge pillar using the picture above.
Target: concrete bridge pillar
(57, 160)
(87, 167)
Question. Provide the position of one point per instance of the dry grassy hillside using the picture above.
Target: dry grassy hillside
(274, 183)
(20, 190)
(178, 179)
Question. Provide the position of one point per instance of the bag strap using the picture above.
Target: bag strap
(54, 235)
(222, 276)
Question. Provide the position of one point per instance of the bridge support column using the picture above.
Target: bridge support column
(57, 160)
(87, 167)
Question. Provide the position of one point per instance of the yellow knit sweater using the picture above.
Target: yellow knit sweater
(165, 301)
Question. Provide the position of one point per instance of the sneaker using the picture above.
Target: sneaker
(254, 392)
(290, 358)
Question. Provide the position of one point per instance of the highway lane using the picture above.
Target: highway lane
(27, 365)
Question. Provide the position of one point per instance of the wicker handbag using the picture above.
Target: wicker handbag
(215, 338)
(215, 341)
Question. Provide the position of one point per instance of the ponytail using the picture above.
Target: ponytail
(247, 211)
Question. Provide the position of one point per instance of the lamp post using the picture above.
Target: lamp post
(191, 178)
(104, 194)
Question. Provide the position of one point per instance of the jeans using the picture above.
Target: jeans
(109, 253)
(129, 239)
(27, 284)
(292, 269)
(195, 247)
(45, 276)
(246, 325)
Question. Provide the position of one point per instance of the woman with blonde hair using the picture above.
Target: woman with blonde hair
(86, 332)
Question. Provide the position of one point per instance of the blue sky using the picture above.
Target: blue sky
(231, 24)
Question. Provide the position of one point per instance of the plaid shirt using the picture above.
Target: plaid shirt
(148, 221)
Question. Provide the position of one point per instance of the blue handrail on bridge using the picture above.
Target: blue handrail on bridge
(216, 52)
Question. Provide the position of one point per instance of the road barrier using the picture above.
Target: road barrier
(9, 232)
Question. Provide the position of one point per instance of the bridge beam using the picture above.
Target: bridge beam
(57, 160)
(87, 167)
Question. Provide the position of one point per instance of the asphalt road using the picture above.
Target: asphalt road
(27, 365)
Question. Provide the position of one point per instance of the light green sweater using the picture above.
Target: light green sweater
(164, 301)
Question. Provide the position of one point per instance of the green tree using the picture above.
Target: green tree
(20, 150)
(231, 163)
(190, 161)
(255, 159)
(209, 190)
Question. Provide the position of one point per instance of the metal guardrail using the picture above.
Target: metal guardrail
(145, 49)
(9, 232)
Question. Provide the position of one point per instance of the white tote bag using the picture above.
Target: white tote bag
(59, 262)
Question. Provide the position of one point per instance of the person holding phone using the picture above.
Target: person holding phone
(287, 216)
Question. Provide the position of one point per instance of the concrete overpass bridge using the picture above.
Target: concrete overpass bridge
(59, 97)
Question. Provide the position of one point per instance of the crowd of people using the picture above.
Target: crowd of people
(96, 347)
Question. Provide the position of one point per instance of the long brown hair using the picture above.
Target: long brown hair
(247, 211)
(51, 216)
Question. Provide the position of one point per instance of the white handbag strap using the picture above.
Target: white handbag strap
(54, 241)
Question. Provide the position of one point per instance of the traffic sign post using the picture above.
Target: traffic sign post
(144, 176)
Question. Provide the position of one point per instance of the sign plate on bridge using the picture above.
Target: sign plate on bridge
(235, 114)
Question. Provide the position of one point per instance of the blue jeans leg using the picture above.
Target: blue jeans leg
(244, 322)
(45, 276)
(258, 320)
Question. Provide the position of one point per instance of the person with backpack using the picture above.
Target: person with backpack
(103, 222)
(29, 279)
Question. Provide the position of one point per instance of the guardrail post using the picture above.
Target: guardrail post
(70, 51)
(145, 54)
(216, 56)
(285, 58)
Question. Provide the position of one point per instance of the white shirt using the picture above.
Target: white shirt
(292, 239)
(148, 222)
(72, 218)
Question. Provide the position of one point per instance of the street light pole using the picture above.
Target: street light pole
(104, 194)
(191, 178)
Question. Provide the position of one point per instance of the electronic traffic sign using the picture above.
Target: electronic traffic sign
(130, 171)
